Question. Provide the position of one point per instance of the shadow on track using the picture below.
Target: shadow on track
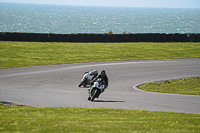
(107, 101)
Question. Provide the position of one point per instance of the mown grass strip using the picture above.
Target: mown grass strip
(189, 86)
(37, 119)
(25, 54)
(40, 119)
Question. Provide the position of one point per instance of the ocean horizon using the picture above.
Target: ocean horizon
(64, 19)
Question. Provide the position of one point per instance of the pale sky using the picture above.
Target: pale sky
(118, 3)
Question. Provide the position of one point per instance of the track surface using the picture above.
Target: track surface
(57, 85)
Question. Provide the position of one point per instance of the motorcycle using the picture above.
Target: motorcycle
(87, 78)
(96, 89)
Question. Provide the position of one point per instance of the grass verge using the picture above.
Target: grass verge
(40, 119)
(189, 86)
(25, 54)
(37, 119)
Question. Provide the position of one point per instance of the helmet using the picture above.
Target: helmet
(95, 72)
(103, 72)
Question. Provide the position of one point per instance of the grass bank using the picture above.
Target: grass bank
(24, 54)
(189, 86)
(39, 119)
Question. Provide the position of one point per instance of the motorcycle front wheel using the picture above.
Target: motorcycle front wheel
(82, 83)
(95, 94)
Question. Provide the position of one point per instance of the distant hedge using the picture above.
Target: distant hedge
(138, 37)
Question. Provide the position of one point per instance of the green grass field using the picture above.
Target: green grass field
(24, 54)
(40, 119)
(189, 86)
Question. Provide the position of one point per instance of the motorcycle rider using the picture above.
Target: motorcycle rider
(88, 77)
(93, 73)
(102, 75)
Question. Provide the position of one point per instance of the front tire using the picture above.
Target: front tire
(82, 83)
(89, 98)
(79, 85)
(95, 94)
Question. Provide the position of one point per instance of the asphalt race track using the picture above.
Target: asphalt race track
(57, 85)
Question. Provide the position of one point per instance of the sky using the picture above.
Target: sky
(118, 3)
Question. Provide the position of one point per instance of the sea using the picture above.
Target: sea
(64, 19)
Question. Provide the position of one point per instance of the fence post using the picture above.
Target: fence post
(100, 38)
(66, 37)
(157, 37)
(118, 38)
(38, 37)
(163, 37)
(132, 38)
(44, 37)
(125, 38)
(87, 38)
(113, 38)
(8, 36)
(191, 37)
(52, 37)
(30, 37)
(183, 38)
(15, 37)
(59, 38)
(22, 37)
(144, 37)
(73, 37)
(93, 37)
(80, 37)
(138, 37)
(169, 37)
(197, 37)
(176, 37)
(106, 38)
(2, 36)
(151, 37)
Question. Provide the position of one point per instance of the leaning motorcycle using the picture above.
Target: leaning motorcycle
(96, 89)
(87, 78)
